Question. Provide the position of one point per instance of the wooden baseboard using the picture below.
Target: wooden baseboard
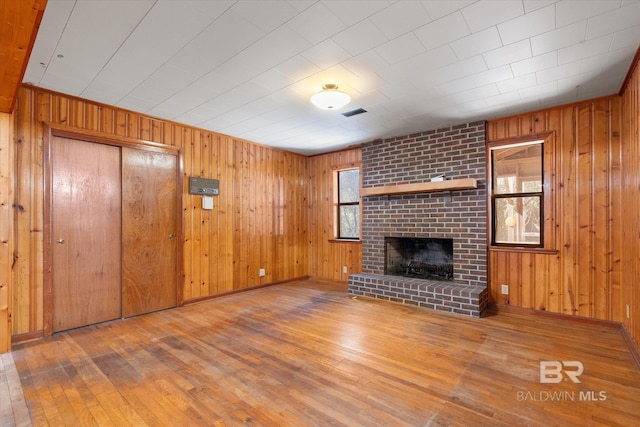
(29, 336)
(236, 291)
(633, 346)
(628, 339)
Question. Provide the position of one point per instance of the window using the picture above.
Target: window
(517, 194)
(348, 204)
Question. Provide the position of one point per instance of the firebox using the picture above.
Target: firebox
(423, 258)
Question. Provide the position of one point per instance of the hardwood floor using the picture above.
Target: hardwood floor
(308, 354)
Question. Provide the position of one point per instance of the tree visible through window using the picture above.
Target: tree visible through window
(348, 205)
(517, 194)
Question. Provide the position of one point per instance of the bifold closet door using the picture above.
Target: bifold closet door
(149, 231)
(85, 233)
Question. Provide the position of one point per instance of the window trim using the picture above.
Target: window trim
(337, 204)
(548, 239)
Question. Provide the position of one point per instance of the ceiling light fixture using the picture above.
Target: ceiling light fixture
(330, 98)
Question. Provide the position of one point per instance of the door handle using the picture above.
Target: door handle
(60, 241)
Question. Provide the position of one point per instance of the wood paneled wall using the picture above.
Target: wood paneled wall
(259, 220)
(589, 274)
(327, 257)
(6, 228)
(630, 206)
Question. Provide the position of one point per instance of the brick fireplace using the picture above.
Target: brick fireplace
(459, 216)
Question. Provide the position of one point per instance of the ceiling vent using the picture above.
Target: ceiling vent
(354, 112)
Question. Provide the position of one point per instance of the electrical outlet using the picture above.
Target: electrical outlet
(262, 273)
(344, 269)
(505, 290)
(628, 311)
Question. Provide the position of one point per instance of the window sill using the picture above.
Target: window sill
(345, 241)
(523, 249)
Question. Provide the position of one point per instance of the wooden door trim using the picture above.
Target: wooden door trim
(51, 131)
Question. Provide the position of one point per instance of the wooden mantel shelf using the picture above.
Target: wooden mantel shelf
(421, 187)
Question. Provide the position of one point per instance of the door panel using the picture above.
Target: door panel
(85, 228)
(149, 242)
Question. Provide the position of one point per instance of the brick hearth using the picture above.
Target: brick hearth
(438, 295)
(456, 152)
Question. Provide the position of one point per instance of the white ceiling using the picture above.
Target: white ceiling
(248, 68)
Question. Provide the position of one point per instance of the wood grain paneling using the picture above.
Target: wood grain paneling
(259, 220)
(627, 292)
(19, 22)
(591, 269)
(327, 256)
(6, 228)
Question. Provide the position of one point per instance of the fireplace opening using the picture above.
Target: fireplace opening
(423, 258)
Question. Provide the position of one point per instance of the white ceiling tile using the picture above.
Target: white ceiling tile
(626, 38)
(365, 63)
(366, 83)
(326, 54)
(475, 93)
(502, 98)
(439, 8)
(570, 11)
(353, 11)
(539, 91)
(481, 15)
(477, 43)
(493, 75)
(557, 73)
(537, 63)
(369, 99)
(401, 48)
(274, 48)
(400, 18)
(213, 46)
(92, 42)
(615, 20)
(459, 69)
(135, 103)
(607, 62)
(517, 83)
(417, 69)
(162, 84)
(531, 5)
(529, 25)
(455, 86)
(316, 23)
(436, 58)
(557, 39)
(584, 50)
(230, 74)
(249, 91)
(135, 61)
(478, 104)
(264, 14)
(297, 68)
(360, 37)
(442, 31)
(53, 22)
(190, 97)
(273, 80)
(301, 5)
(508, 54)
(105, 92)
